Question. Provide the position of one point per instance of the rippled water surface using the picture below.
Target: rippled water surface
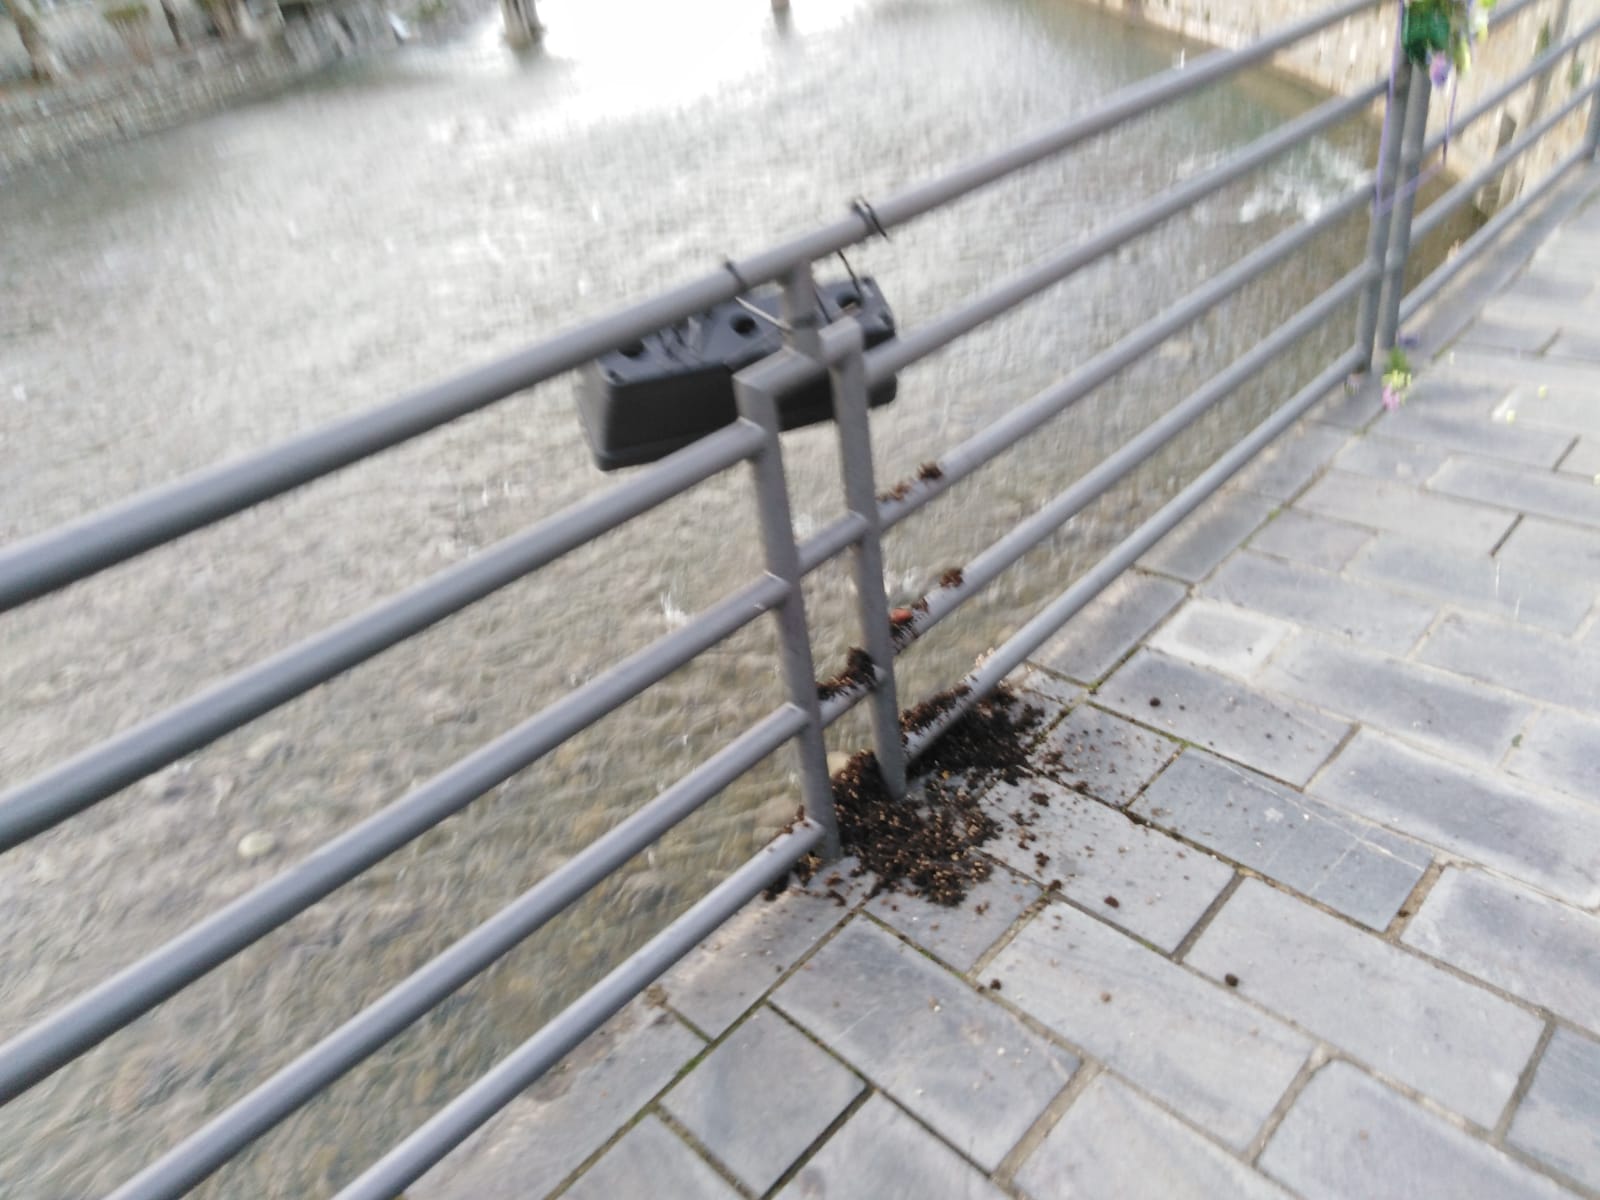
(199, 294)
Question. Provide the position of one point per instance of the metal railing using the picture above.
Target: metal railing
(39, 566)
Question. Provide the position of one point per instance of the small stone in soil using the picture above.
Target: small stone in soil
(1113, 902)
(1155, 702)
(1231, 980)
(994, 985)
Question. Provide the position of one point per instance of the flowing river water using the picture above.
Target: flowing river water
(202, 293)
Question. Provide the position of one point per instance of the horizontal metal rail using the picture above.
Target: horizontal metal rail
(247, 1119)
(1439, 211)
(986, 567)
(92, 776)
(55, 1041)
(453, 1124)
(78, 550)
(893, 356)
(32, 568)
(1000, 435)
(1002, 662)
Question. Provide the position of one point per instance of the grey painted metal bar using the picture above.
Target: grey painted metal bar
(830, 541)
(849, 378)
(1405, 203)
(43, 1048)
(1000, 435)
(31, 568)
(1048, 622)
(986, 567)
(783, 563)
(1439, 211)
(1540, 66)
(894, 356)
(453, 1124)
(200, 1154)
(92, 776)
(1382, 200)
(1479, 241)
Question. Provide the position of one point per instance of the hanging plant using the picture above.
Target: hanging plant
(1440, 34)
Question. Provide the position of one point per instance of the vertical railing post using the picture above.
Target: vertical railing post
(845, 345)
(1384, 191)
(783, 561)
(1405, 202)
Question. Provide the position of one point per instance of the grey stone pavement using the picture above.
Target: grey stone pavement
(1326, 921)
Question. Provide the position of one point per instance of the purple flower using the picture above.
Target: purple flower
(1438, 67)
(1391, 398)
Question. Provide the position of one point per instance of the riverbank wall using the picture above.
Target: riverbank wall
(111, 97)
(1354, 52)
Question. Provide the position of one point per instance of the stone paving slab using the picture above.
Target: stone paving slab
(1314, 541)
(1543, 838)
(963, 1065)
(1444, 712)
(1192, 550)
(1546, 592)
(1278, 737)
(1111, 625)
(728, 973)
(732, 1106)
(1552, 548)
(1104, 755)
(1396, 461)
(1553, 669)
(1358, 869)
(1350, 1136)
(1420, 514)
(1455, 1042)
(882, 1153)
(1294, 460)
(1559, 1121)
(1539, 493)
(1527, 944)
(1135, 877)
(1560, 751)
(1374, 616)
(1232, 640)
(651, 1160)
(1113, 1142)
(959, 938)
(547, 1132)
(1219, 1062)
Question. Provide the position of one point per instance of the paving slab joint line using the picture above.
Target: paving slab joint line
(810, 1151)
(1326, 764)
(1186, 744)
(699, 1150)
(1006, 1172)
(1524, 1082)
(1568, 453)
(1412, 904)
(901, 935)
(1038, 906)
(1517, 738)
(1210, 914)
(1516, 521)
(1321, 1054)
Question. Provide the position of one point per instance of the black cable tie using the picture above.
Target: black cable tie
(863, 209)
